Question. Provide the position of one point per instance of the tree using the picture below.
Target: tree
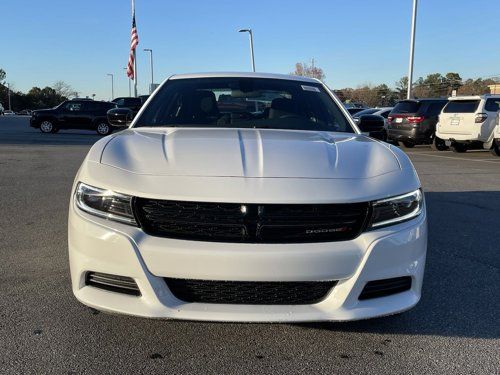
(402, 87)
(475, 86)
(369, 95)
(302, 69)
(63, 89)
(2, 75)
(385, 96)
(436, 85)
(44, 98)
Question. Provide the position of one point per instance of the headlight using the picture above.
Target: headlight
(397, 209)
(105, 203)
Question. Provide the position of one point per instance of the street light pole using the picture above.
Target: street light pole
(249, 31)
(112, 86)
(129, 87)
(412, 48)
(8, 88)
(151, 63)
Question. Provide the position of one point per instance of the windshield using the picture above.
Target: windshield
(461, 106)
(409, 106)
(244, 103)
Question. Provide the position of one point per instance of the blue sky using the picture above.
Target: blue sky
(355, 42)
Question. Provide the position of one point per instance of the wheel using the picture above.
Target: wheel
(495, 149)
(458, 147)
(46, 127)
(406, 144)
(103, 128)
(392, 141)
(438, 144)
(384, 136)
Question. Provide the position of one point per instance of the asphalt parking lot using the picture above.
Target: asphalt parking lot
(43, 329)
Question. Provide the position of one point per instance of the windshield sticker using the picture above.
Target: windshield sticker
(310, 88)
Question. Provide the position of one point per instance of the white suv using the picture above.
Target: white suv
(247, 197)
(468, 122)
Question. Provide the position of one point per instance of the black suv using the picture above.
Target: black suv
(128, 102)
(132, 103)
(74, 114)
(413, 122)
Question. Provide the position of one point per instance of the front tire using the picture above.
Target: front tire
(438, 144)
(103, 128)
(46, 126)
(495, 149)
(406, 144)
(458, 147)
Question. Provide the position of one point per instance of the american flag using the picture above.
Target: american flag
(134, 41)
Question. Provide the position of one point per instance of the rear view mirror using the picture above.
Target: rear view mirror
(372, 125)
(120, 117)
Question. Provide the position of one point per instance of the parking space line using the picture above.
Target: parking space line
(451, 157)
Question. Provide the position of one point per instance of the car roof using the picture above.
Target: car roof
(422, 99)
(88, 100)
(244, 75)
(474, 97)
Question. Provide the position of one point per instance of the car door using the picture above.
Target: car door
(491, 108)
(73, 115)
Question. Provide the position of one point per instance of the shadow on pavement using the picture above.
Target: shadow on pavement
(461, 294)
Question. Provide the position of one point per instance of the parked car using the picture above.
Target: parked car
(9, 113)
(495, 147)
(285, 214)
(413, 122)
(25, 112)
(468, 122)
(74, 114)
(143, 98)
(354, 110)
(134, 104)
(384, 112)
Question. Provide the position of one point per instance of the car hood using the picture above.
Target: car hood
(42, 111)
(250, 153)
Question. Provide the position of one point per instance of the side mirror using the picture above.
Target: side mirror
(372, 125)
(120, 117)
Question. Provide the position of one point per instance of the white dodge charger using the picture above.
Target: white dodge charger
(246, 197)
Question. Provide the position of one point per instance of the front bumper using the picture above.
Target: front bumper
(34, 123)
(104, 246)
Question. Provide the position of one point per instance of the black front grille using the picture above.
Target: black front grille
(264, 223)
(250, 292)
(385, 287)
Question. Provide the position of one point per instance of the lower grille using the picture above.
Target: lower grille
(254, 223)
(250, 292)
(113, 283)
(385, 287)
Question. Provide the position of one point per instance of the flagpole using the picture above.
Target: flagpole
(135, 59)
(135, 75)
